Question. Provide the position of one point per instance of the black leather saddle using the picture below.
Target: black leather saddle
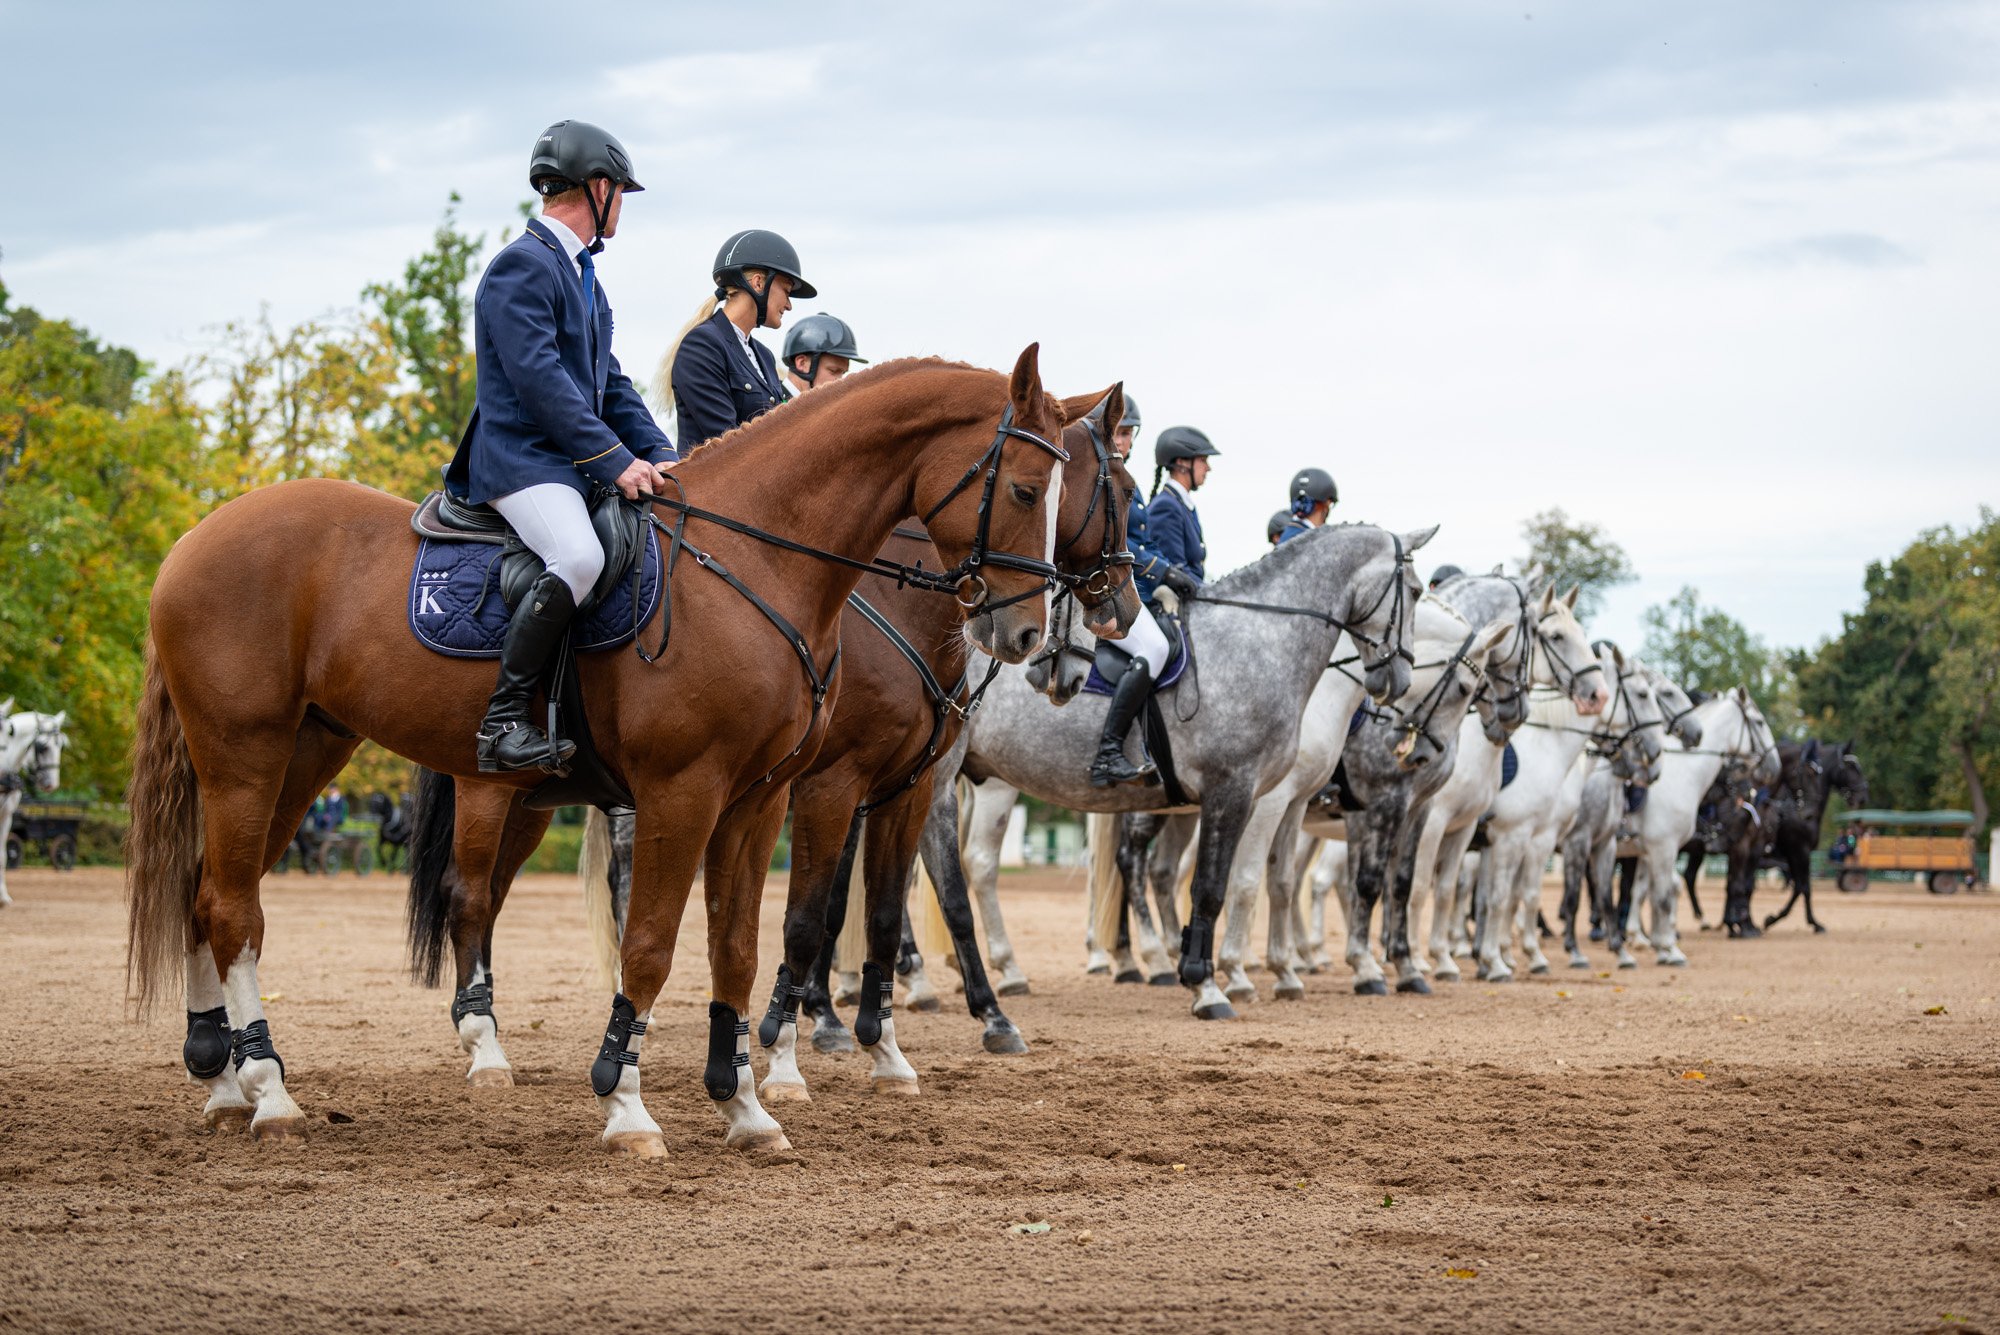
(620, 526)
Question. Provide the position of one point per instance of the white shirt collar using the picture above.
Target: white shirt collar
(571, 243)
(1180, 491)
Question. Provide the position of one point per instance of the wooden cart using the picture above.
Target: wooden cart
(50, 826)
(1936, 845)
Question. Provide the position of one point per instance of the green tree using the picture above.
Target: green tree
(1913, 675)
(101, 470)
(1573, 551)
(1704, 648)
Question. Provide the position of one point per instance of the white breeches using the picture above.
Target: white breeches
(553, 520)
(1146, 640)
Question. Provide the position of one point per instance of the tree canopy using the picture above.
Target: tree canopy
(1574, 551)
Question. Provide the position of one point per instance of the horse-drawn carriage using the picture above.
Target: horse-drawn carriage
(48, 826)
(328, 852)
(1938, 845)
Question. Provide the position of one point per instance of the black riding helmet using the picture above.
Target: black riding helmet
(1310, 486)
(1280, 521)
(1131, 418)
(1181, 442)
(818, 336)
(571, 154)
(755, 248)
(1443, 573)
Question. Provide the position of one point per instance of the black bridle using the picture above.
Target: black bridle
(1096, 582)
(1417, 722)
(1398, 612)
(959, 580)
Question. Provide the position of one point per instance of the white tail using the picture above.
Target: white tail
(593, 872)
(851, 951)
(1107, 892)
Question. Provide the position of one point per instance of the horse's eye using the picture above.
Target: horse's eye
(1025, 495)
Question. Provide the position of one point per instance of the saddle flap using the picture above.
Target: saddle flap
(440, 517)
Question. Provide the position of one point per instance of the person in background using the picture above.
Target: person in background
(1274, 531)
(715, 377)
(1443, 573)
(819, 350)
(1313, 499)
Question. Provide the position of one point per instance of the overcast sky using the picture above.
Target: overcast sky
(1721, 277)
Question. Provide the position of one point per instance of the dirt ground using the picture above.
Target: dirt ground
(1779, 1137)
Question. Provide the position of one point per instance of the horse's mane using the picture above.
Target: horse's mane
(1274, 563)
(822, 401)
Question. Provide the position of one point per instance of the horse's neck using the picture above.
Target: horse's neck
(1489, 598)
(840, 479)
(1292, 651)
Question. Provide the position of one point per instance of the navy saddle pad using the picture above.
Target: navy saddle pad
(455, 605)
(1176, 666)
(1510, 765)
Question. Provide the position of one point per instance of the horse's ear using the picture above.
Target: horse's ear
(1569, 599)
(1416, 538)
(1077, 408)
(1490, 638)
(1498, 568)
(7, 707)
(1617, 656)
(1025, 387)
(1548, 600)
(62, 718)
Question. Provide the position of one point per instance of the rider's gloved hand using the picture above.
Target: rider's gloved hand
(637, 479)
(1180, 581)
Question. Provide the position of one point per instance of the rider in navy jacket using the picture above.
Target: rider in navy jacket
(1313, 499)
(1180, 457)
(716, 376)
(553, 413)
(562, 410)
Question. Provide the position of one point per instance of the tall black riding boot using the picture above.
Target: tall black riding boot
(1111, 767)
(507, 740)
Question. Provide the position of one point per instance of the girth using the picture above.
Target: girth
(944, 703)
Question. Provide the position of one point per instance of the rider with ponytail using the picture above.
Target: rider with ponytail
(1154, 563)
(715, 377)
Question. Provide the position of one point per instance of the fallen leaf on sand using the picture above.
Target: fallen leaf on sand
(1180, 1168)
(534, 1024)
(1936, 1010)
(1086, 1236)
(339, 1118)
(1694, 1075)
(1562, 994)
(1742, 1019)
(275, 996)
(1461, 1272)
(1027, 1228)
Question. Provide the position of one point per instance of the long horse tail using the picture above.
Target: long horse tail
(593, 874)
(432, 872)
(163, 846)
(1107, 890)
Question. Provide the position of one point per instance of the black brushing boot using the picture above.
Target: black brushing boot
(507, 740)
(1110, 766)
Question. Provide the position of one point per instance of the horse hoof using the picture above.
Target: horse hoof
(1373, 987)
(755, 1142)
(1004, 1040)
(1500, 976)
(1627, 962)
(1122, 976)
(637, 1144)
(897, 1085)
(491, 1077)
(280, 1131)
(235, 1117)
(1017, 988)
(1162, 980)
(1242, 996)
(1098, 968)
(1818, 930)
(1444, 975)
(1670, 962)
(1416, 985)
(832, 1040)
(1597, 933)
(1215, 1010)
(923, 1005)
(1579, 962)
(783, 1092)
(1543, 967)
(1290, 992)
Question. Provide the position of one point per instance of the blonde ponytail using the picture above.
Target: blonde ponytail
(663, 382)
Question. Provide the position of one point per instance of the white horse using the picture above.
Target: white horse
(1530, 813)
(1732, 729)
(31, 747)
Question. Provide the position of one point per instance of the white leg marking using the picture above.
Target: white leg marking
(750, 1127)
(628, 1127)
(893, 1073)
(204, 993)
(260, 1079)
(783, 1081)
(479, 1036)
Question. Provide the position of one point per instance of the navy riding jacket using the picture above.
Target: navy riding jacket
(1292, 530)
(552, 404)
(716, 388)
(1175, 532)
(1147, 563)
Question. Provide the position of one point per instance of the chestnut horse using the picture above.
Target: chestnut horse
(471, 839)
(277, 642)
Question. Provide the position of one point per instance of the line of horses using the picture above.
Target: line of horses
(258, 689)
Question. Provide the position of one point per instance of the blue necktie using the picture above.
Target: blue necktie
(589, 287)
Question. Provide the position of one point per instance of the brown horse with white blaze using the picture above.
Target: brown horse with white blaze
(277, 643)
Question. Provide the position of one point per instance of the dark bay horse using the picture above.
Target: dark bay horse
(277, 642)
(884, 727)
